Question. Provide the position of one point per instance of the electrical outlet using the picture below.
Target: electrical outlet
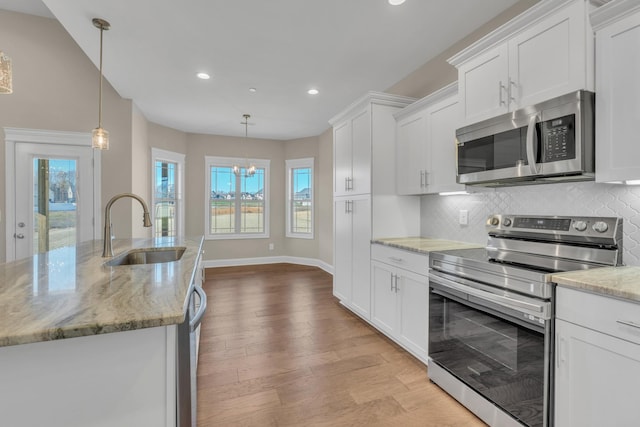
(464, 217)
(271, 246)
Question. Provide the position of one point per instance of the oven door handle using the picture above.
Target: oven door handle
(446, 284)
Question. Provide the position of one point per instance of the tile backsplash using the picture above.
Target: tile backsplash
(439, 214)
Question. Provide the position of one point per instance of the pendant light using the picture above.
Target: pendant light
(250, 169)
(6, 86)
(100, 137)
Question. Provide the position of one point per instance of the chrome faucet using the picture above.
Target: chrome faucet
(107, 250)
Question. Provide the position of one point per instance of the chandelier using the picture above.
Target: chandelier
(100, 137)
(249, 169)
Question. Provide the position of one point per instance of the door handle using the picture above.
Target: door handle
(532, 144)
(19, 236)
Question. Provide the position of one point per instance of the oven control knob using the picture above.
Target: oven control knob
(506, 222)
(600, 226)
(580, 225)
(494, 221)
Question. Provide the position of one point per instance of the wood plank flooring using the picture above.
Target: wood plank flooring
(277, 349)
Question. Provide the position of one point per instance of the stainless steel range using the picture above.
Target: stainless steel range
(491, 311)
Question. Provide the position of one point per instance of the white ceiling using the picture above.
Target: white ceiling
(344, 48)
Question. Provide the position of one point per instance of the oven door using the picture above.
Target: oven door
(493, 345)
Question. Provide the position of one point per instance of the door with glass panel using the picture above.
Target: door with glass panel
(168, 186)
(54, 197)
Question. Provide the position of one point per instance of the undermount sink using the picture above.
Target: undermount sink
(147, 256)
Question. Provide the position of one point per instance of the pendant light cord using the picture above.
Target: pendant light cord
(100, 91)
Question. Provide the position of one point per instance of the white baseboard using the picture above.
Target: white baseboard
(211, 263)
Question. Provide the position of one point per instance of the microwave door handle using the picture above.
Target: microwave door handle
(532, 145)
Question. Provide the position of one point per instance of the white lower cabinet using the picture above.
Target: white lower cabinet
(123, 379)
(352, 258)
(597, 361)
(400, 297)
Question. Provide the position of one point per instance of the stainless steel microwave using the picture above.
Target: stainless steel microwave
(548, 142)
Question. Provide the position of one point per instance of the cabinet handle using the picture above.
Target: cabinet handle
(628, 323)
(560, 344)
(500, 89)
(396, 282)
(426, 178)
(396, 259)
(348, 206)
(346, 183)
(391, 281)
(515, 86)
(350, 183)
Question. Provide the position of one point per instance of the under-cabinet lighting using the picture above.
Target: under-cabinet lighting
(452, 193)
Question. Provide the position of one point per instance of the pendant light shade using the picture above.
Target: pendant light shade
(249, 169)
(6, 85)
(100, 137)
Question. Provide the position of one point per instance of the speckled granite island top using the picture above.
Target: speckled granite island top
(619, 282)
(70, 292)
(423, 244)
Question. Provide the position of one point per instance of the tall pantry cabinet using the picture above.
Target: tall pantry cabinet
(365, 204)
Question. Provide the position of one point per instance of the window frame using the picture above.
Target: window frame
(216, 161)
(291, 164)
(158, 154)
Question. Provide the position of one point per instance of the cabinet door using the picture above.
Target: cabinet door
(596, 378)
(413, 291)
(483, 83)
(618, 103)
(411, 144)
(443, 119)
(550, 58)
(383, 298)
(342, 249)
(361, 160)
(361, 255)
(342, 153)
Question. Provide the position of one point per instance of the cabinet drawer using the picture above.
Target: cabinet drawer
(607, 315)
(412, 261)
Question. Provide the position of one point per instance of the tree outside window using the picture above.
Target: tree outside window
(237, 205)
(300, 204)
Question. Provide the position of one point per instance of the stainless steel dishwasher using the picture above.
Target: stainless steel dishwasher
(187, 357)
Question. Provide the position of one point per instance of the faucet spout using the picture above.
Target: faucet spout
(107, 250)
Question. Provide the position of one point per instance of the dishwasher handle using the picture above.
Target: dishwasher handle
(197, 319)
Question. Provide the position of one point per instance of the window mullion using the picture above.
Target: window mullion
(238, 204)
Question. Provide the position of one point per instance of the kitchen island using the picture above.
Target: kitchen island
(87, 344)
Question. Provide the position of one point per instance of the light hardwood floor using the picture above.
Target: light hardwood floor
(277, 349)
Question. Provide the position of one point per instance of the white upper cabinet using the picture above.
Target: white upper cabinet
(355, 136)
(425, 144)
(617, 27)
(352, 155)
(542, 53)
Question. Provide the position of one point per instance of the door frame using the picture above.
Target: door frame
(13, 136)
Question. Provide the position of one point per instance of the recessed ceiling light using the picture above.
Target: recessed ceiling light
(395, 2)
(253, 90)
(313, 91)
(203, 76)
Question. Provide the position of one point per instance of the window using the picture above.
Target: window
(237, 205)
(167, 183)
(300, 198)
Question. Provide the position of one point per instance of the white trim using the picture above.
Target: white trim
(235, 262)
(179, 160)
(369, 98)
(445, 92)
(265, 164)
(613, 12)
(39, 136)
(305, 163)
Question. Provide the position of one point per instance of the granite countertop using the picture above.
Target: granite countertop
(69, 292)
(619, 282)
(424, 244)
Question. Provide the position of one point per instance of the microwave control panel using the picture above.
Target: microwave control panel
(558, 138)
